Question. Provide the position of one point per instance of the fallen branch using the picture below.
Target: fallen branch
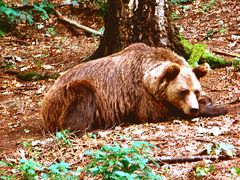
(226, 53)
(30, 6)
(69, 21)
(172, 160)
(5, 39)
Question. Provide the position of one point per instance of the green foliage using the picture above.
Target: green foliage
(11, 16)
(112, 162)
(100, 4)
(14, 16)
(31, 75)
(51, 31)
(223, 29)
(61, 171)
(204, 171)
(28, 168)
(3, 174)
(63, 137)
(220, 148)
(174, 15)
(236, 63)
(115, 162)
(210, 33)
(235, 171)
(7, 64)
(208, 6)
(35, 76)
(43, 8)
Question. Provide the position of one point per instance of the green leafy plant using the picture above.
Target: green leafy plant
(61, 170)
(28, 168)
(51, 31)
(3, 174)
(210, 33)
(7, 64)
(204, 171)
(208, 6)
(115, 162)
(174, 15)
(223, 30)
(31, 75)
(11, 16)
(99, 4)
(235, 171)
(43, 8)
(63, 137)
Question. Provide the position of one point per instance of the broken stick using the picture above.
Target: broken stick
(80, 26)
(172, 160)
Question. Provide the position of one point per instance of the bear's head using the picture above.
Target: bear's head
(178, 85)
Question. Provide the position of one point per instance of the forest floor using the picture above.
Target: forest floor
(36, 52)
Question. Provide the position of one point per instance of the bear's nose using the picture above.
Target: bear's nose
(194, 111)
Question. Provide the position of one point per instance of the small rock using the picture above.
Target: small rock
(47, 67)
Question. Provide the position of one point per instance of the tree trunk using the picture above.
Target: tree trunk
(131, 21)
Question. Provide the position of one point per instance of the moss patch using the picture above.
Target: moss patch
(198, 52)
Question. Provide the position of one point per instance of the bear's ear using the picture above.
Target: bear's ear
(172, 71)
(154, 76)
(202, 70)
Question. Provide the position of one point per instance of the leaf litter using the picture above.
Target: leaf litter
(20, 101)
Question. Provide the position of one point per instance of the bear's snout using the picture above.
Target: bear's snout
(191, 106)
(194, 111)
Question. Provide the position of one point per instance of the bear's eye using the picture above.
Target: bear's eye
(184, 92)
(197, 93)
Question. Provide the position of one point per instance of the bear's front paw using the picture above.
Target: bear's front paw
(209, 110)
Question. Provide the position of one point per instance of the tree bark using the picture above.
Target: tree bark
(131, 21)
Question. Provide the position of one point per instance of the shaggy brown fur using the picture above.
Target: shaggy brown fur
(131, 86)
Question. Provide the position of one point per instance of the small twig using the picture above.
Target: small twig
(205, 140)
(218, 90)
(226, 53)
(69, 21)
(163, 141)
(234, 101)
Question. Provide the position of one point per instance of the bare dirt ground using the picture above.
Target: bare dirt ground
(36, 51)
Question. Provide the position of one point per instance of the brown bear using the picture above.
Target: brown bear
(137, 85)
